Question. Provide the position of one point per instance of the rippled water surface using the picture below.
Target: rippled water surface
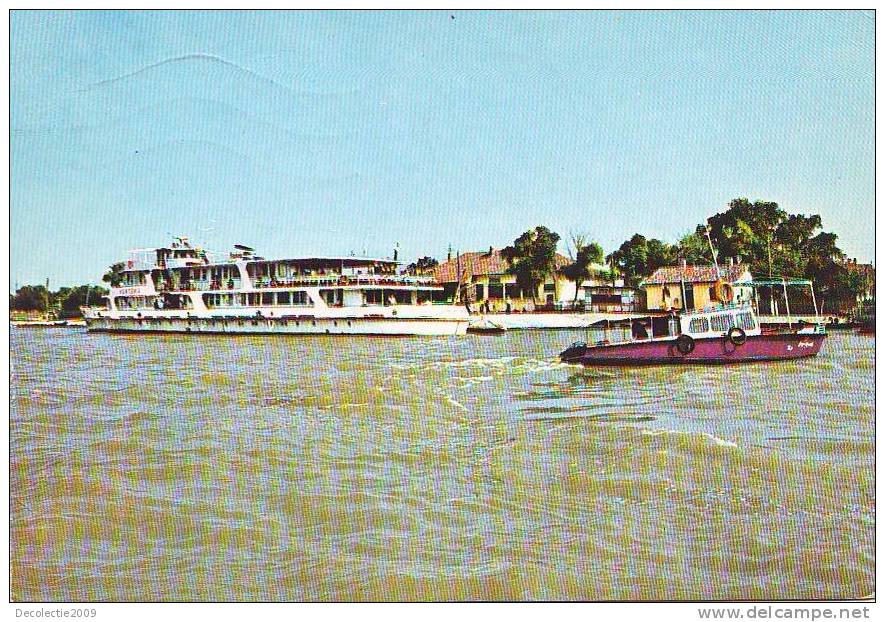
(288, 468)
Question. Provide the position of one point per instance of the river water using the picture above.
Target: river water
(474, 468)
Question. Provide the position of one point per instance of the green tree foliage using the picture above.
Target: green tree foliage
(759, 234)
(531, 258)
(694, 249)
(660, 254)
(70, 299)
(30, 298)
(66, 302)
(424, 265)
(638, 257)
(770, 241)
(114, 275)
(584, 254)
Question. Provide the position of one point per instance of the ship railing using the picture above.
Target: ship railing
(199, 286)
(343, 280)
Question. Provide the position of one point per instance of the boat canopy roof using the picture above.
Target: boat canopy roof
(774, 281)
(342, 258)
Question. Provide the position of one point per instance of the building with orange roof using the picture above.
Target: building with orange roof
(691, 286)
(481, 279)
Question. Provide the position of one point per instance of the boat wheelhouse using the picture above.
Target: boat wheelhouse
(181, 289)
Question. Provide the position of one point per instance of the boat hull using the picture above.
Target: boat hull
(770, 347)
(281, 326)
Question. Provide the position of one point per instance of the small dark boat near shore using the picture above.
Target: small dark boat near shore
(49, 324)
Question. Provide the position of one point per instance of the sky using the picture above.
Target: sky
(331, 132)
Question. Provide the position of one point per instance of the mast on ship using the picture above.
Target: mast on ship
(713, 252)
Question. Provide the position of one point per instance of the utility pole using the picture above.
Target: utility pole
(713, 251)
(772, 310)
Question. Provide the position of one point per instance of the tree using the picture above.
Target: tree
(71, 299)
(583, 254)
(531, 258)
(659, 254)
(114, 275)
(772, 242)
(693, 249)
(424, 265)
(638, 257)
(30, 298)
(743, 230)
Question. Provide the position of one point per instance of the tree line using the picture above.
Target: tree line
(759, 235)
(64, 302)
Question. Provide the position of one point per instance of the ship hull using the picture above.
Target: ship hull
(769, 347)
(282, 326)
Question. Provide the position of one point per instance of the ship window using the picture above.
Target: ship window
(267, 298)
(332, 297)
(699, 325)
(396, 297)
(721, 323)
(745, 321)
(284, 298)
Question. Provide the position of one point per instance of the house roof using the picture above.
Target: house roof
(695, 274)
(480, 264)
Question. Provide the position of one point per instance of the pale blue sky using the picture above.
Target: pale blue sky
(330, 132)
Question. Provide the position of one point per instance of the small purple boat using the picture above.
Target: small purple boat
(729, 334)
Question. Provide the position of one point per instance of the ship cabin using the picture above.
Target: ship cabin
(184, 277)
(710, 322)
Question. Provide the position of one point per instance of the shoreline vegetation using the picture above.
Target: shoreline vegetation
(760, 235)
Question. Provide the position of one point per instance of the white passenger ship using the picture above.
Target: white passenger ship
(179, 289)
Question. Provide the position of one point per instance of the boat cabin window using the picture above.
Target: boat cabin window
(267, 299)
(131, 302)
(699, 325)
(663, 327)
(373, 296)
(134, 278)
(638, 330)
(746, 321)
(721, 323)
(332, 297)
(397, 297)
(174, 301)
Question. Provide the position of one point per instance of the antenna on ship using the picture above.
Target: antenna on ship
(713, 251)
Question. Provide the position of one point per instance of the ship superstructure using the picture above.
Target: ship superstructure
(181, 288)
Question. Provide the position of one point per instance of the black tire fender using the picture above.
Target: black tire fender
(737, 335)
(685, 344)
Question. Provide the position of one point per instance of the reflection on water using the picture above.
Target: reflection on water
(285, 468)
